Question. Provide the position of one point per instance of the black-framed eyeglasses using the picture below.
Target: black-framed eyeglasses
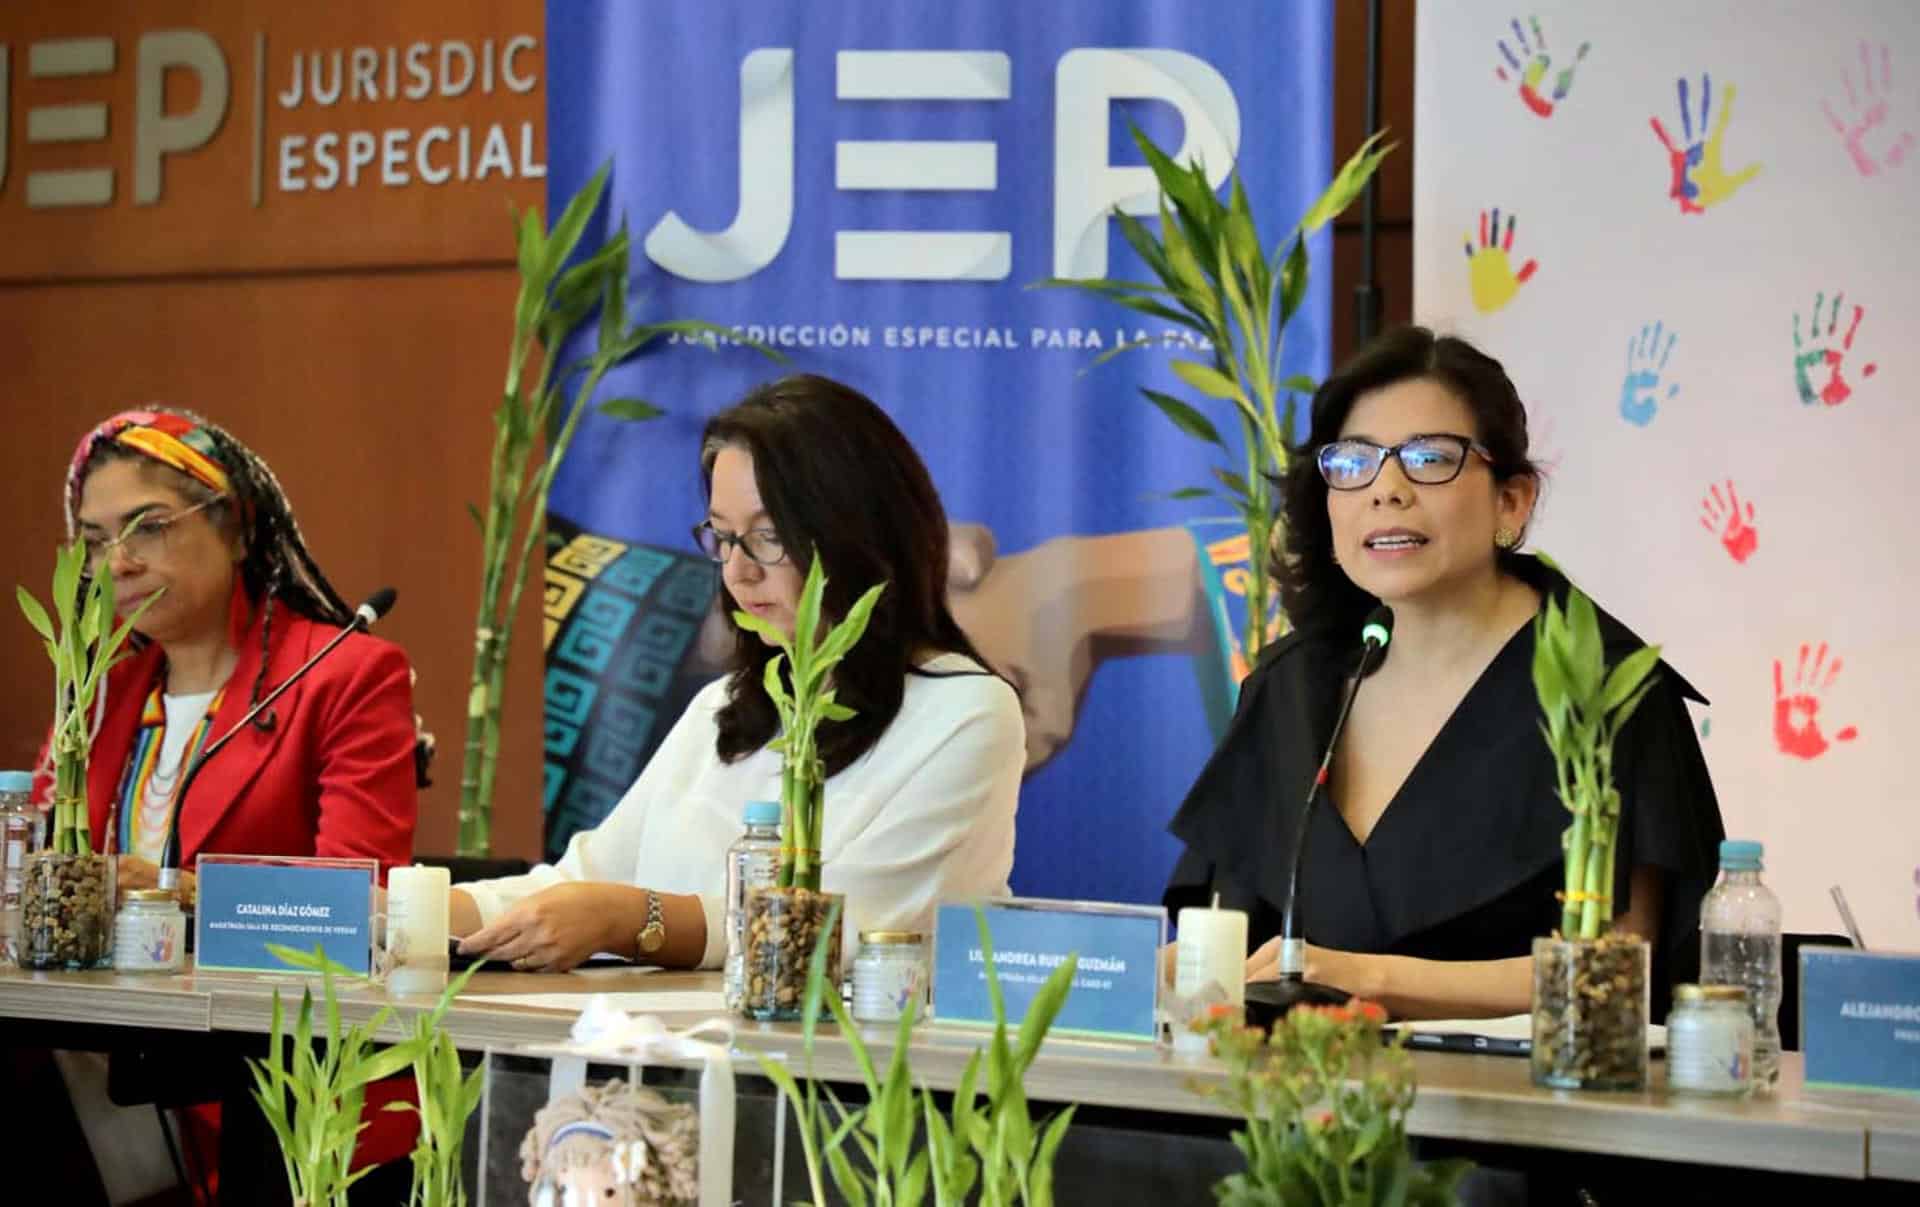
(143, 540)
(761, 545)
(1431, 459)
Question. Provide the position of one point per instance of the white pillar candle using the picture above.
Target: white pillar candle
(1210, 969)
(417, 929)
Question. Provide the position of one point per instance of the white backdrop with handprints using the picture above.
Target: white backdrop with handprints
(1648, 309)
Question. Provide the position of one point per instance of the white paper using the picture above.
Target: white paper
(670, 1002)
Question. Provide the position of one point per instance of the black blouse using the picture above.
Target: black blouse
(1466, 859)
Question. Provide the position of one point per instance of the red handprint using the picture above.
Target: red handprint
(1796, 717)
(1725, 518)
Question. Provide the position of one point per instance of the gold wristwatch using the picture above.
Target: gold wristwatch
(653, 936)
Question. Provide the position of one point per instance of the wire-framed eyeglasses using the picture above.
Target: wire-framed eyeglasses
(143, 540)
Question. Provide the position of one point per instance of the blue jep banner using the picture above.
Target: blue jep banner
(871, 188)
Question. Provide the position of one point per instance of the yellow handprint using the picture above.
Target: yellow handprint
(1489, 267)
(1699, 180)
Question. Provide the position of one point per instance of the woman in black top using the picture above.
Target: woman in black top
(1434, 861)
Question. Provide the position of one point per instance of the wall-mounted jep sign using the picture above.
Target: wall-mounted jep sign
(311, 137)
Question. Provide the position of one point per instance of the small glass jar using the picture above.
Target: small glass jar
(1710, 1041)
(149, 933)
(889, 972)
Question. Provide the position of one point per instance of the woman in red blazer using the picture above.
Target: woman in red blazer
(183, 515)
(186, 517)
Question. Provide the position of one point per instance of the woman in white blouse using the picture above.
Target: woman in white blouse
(922, 783)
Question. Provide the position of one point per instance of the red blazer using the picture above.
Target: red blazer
(333, 776)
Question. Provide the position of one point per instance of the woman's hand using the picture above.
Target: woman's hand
(1344, 970)
(133, 872)
(560, 926)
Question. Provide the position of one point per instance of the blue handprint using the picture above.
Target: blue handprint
(1640, 396)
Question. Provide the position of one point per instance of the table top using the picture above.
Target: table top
(1466, 1097)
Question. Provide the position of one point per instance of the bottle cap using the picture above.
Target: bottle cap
(763, 813)
(16, 781)
(889, 938)
(1740, 855)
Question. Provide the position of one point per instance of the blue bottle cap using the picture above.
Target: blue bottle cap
(1741, 854)
(16, 781)
(763, 813)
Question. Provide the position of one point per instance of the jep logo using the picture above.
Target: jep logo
(1086, 186)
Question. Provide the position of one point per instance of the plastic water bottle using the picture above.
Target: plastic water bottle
(19, 837)
(1740, 945)
(753, 861)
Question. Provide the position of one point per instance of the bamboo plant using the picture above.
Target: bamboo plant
(1212, 278)
(312, 1099)
(798, 679)
(554, 302)
(996, 1148)
(84, 646)
(1586, 705)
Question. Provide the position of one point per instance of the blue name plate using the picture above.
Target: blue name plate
(1115, 985)
(248, 902)
(1860, 1019)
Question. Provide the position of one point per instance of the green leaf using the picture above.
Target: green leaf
(530, 246)
(630, 410)
(1347, 184)
(1050, 1139)
(1146, 247)
(1293, 280)
(1040, 1015)
(1207, 379)
(573, 223)
(36, 615)
(1626, 676)
(1185, 417)
(478, 522)
(760, 628)
(1191, 492)
(1587, 655)
(1300, 383)
(817, 977)
(1233, 482)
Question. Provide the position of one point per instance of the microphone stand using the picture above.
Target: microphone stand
(1270, 1001)
(170, 850)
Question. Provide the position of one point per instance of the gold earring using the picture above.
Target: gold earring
(1505, 538)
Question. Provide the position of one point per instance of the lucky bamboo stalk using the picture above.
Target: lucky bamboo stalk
(1212, 278)
(1585, 706)
(553, 304)
(798, 679)
(84, 645)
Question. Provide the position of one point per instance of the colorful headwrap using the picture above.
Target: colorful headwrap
(277, 564)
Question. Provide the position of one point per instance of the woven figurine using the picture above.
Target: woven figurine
(612, 1145)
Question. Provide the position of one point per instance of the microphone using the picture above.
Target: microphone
(1269, 1001)
(378, 604)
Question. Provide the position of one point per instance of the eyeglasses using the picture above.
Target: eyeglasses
(145, 539)
(761, 545)
(1434, 459)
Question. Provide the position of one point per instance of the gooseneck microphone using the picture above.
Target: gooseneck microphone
(1267, 1001)
(378, 604)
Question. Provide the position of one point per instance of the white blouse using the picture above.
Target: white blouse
(924, 816)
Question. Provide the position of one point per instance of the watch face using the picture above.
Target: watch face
(653, 937)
